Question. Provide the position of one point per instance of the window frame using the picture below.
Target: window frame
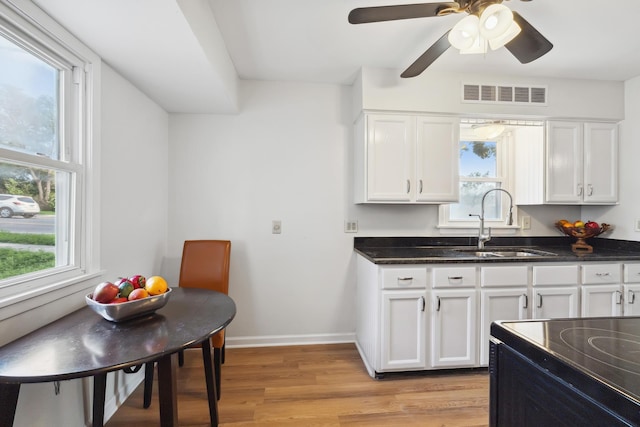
(78, 154)
(504, 176)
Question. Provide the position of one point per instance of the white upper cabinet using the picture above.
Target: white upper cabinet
(402, 158)
(581, 163)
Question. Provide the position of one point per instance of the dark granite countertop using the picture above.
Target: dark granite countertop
(432, 250)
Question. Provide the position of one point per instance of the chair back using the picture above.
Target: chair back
(205, 265)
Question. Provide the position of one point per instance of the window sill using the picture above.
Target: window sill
(466, 230)
(22, 302)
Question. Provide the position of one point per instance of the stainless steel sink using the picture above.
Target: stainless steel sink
(506, 252)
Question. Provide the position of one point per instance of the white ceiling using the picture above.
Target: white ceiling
(186, 54)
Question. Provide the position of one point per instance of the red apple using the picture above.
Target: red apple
(138, 281)
(119, 300)
(105, 292)
(592, 225)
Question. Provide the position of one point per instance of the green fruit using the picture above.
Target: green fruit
(126, 287)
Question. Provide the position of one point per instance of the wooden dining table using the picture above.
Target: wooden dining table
(83, 344)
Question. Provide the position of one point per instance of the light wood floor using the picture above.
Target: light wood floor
(313, 386)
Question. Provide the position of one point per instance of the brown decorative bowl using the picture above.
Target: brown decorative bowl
(130, 309)
(581, 234)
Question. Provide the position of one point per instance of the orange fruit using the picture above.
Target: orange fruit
(156, 285)
(138, 294)
(562, 222)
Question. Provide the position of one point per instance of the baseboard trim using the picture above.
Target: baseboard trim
(281, 340)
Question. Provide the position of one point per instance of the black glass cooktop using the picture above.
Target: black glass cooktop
(604, 349)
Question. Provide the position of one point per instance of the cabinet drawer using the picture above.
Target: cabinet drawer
(516, 275)
(399, 278)
(555, 275)
(454, 277)
(631, 273)
(600, 273)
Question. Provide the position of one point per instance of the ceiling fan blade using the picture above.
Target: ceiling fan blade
(427, 58)
(363, 15)
(529, 45)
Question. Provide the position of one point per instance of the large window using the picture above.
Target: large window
(46, 144)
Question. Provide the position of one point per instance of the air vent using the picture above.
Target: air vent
(504, 94)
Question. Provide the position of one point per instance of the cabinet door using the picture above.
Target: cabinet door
(564, 172)
(601, 301)
(600, 163)
(403, 330)
(454, 328)
(499, 304)
(549, 303)
(631, 301)
(390, 154)
(437, 159)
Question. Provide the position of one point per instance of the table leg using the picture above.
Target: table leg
(210, 378)
(8, 402)
(167, 391)
(99, 391)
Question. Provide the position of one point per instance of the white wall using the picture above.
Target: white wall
(134, 197)
(627, 212)
(383, 89)
(282, 158)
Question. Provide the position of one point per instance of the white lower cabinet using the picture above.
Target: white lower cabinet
(601, 301)
(555, 291)
(421, 317)
(404, 332)
(453, 331)
(601, 290)
(630, 299)
(499, 304)
(560, 302)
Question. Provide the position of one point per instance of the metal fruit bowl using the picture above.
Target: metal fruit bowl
(130, 309)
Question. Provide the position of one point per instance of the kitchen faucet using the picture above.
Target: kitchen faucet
(482, 237)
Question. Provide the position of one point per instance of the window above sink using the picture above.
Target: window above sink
(487, 161)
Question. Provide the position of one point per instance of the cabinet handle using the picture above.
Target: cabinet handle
(632, 296)
(539, 301)
(420, 186)
(579, 189)
(603, 274)
(618, 297)
(438, 305)
(408, 186)
(526, 301)
(589, 190)
(404, 279)
(455, 277)
(424, 303)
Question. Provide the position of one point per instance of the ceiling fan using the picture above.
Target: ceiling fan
(527, 45)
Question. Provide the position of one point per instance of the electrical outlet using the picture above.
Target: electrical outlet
(351, 226)
(276, 226)
(526, 222)
(637, 224)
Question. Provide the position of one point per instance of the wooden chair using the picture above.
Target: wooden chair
(205, 265)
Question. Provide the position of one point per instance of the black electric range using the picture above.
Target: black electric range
(566, 372)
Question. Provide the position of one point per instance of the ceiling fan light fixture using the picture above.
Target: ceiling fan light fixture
(464, 33)
(495, 20)
(506, 37)
(479, 45)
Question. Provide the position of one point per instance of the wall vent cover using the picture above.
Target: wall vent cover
(504, 94)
